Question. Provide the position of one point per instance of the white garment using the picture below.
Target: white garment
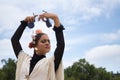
(43, 70)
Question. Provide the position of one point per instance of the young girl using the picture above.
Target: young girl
(38, 67)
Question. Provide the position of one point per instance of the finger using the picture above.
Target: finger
(43, 18)
(28, 19)
(35, 16)
(45, 15)
(33, 19)
(39, 18)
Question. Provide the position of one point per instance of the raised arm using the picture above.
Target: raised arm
(17, 35)
(60, 45)
(58, 28)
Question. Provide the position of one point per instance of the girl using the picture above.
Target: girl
(38, 67)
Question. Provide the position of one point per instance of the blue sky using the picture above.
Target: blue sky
(92, 29)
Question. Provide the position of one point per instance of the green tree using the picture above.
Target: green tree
(116, 76)
(82, 70)
(7, 72)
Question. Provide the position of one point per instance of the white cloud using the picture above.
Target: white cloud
(103, 51)
(15, 11)
(10, 17)
(110, 37)
(105, 56)
(87, 10)
(96, 37)
(6, 50)
(109, 6)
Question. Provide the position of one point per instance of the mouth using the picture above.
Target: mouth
(47, 47)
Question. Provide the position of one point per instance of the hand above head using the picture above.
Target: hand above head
(43, 17)
(52, 16)
(30, 19)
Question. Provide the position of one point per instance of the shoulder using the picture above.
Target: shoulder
(22, 55)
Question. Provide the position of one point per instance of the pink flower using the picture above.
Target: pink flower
(38, 31)
(31, 45)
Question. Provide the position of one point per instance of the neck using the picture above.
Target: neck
(38, 53)
(38, 57)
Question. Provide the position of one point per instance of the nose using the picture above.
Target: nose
(47, 42)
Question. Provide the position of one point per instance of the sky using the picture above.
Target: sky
(92, 29)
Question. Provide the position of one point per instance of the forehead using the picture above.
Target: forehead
(44, 37)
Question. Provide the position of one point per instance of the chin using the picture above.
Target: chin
(47, 51)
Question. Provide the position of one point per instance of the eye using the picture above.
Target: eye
(44, 41)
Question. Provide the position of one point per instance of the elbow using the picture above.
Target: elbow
(12, 39)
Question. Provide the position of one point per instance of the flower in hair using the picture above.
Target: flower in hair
(38, 31)
(31, 45)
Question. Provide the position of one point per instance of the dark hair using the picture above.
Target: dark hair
(37, 37)
(35, 40)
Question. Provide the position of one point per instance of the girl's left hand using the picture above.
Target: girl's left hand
(52, 16)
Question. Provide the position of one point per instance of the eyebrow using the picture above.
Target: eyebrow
(45, 40)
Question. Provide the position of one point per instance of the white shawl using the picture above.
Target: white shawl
(43, 70)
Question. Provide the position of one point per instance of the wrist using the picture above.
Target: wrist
(24, 22)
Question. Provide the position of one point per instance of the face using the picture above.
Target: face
(43, 45)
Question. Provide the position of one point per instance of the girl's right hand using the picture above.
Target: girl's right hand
(30, 19)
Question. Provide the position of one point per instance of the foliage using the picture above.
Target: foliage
(7, 72)
(82, 70)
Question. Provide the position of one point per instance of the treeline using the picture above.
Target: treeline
(7, 72)
(80, 70)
